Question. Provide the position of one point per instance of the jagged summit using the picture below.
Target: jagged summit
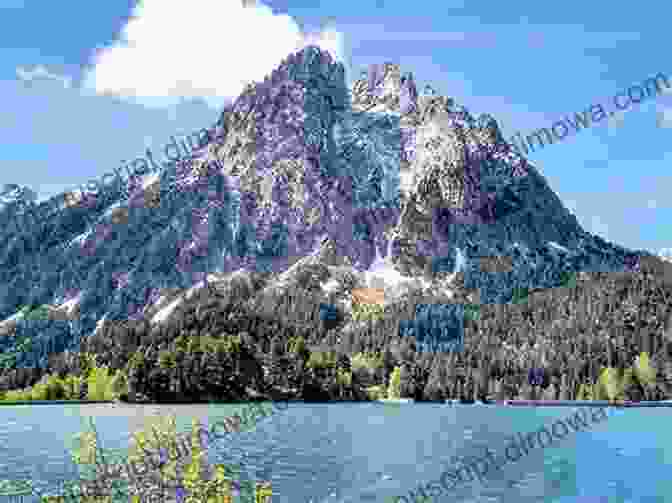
(304, 183)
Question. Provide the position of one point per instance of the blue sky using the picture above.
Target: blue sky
(85, 86)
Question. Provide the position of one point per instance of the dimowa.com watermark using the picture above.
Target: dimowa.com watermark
(519, 446)
(141, 166)
(560, 129)
(147, 474)
(155, 459)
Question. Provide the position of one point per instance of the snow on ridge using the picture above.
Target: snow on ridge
(558, 247)
(165, 312)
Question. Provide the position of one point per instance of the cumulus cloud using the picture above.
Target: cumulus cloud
(40, 73)
(170, 51)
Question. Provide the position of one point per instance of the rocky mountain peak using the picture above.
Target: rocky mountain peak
(310, 183)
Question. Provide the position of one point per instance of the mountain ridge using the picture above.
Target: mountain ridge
(303, 184)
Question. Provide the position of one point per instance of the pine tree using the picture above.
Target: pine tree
(394, 388)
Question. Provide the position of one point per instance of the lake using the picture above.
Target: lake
(368, 452)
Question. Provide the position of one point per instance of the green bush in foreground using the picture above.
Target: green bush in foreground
(613, 384)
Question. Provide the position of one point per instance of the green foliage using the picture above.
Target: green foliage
(322, 359)
(643, 371)
(136, 360)
(363, 311)
(252, 413)
(159, 431)
(8, 360)
(101, 385)
(227, 343)
(23, 311)
(343, 377)
(24, 345)
(17, 395)
(613, 384)
(184, 344)
(472, 312)
(377, 392)
(610, 384)
(84, 450)
(585, 392)
(367, 360)
(394, 388)
(39, 313)
(87, 362)
(167, 360)
(520, 295)
(119, 384)
(39, 392)
(568, 279)
(296, 345)
(52, 388)
(33, 312)
(72, 387)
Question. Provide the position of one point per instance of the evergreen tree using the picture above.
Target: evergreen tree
(394, 388)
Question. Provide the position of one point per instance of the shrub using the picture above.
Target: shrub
(472, 312)
(394, 388)
(520, 295)
(38, 313)
(322, 359)
(613, 384)
(72, 387)
(87, 362)
(159, 432)
(585, 392)
(101, 385)
(643, 370)
(296, 345)
(167, 360)
(377, 392)
(367, 360)
(343, 377)
(55, 388)
(136, 360)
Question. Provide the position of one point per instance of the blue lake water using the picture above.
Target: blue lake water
(369, 452)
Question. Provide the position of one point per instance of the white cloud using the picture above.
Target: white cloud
(38, 73)
(171, 50)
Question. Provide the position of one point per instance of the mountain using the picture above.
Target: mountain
(304, 196)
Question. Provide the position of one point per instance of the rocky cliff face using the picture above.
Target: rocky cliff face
(308, 190)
